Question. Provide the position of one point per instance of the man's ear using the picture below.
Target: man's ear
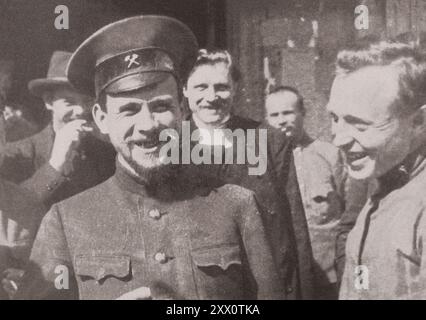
(47, 99)
(420, 118)
(100, 118)
(185, 91)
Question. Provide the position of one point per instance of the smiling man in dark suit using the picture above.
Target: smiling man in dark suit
(65, 158)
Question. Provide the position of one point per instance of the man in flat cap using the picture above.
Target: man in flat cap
(152, 231)
(64, 158)
(378, 109)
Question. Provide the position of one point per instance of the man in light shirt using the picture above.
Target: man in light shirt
(377, 104)
(321, 179)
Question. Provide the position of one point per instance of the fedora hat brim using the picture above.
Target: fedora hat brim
(38, 86)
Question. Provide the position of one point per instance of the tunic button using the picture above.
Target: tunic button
(289, 290)
(160, 257)
(155, 214)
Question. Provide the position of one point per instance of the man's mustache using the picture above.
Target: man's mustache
(147, 137)
(214, 105)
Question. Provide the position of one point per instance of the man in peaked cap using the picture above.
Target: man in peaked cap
(150, 231)
(62, 159)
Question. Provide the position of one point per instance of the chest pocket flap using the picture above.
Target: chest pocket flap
(99, 267)
(222, 256)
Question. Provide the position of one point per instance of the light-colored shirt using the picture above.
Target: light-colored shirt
(384, 251)
(320, 174)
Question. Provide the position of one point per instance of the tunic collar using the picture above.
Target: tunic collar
(129, 181)
(401, 174)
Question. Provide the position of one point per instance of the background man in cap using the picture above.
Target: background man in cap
(64, 158)
(20, 215)
(377, 105)
(151, 231)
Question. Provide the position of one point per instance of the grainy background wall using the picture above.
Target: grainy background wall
(283, 32)
(297, 38)
(28, 36)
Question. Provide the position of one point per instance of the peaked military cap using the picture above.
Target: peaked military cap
(132, 53)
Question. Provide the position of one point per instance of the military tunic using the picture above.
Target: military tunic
(205, 243)
(384, 251)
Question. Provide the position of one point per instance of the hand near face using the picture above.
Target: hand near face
(11, 278)
(67, 141)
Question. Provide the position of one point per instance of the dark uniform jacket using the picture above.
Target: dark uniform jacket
(20, 215)
(283, 214)
(282, 175)
(184, 240)
(27, 163)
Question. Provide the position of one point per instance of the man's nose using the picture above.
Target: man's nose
(210, 94)
(145, 119)
(341, 135)
(282, 120)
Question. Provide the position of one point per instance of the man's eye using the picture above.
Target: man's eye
(360, 127)
(130, 108)
(222, 87)
(273, 115)
(201, 87)
(161, 107)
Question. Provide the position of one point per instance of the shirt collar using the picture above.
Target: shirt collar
(401, 174)
(222, 125)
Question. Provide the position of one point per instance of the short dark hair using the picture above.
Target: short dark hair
(299, 104)
(214, 56)
(101, 100)
(406, 57)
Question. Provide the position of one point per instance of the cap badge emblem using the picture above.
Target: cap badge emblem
(131, 59)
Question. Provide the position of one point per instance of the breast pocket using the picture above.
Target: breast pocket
(98, 269)
(325, 205)
(218, 272)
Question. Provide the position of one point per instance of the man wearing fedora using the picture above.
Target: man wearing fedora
(153, 230)
(65, 157)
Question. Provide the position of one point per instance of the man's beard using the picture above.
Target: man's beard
(149, 170)
(150, 165)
